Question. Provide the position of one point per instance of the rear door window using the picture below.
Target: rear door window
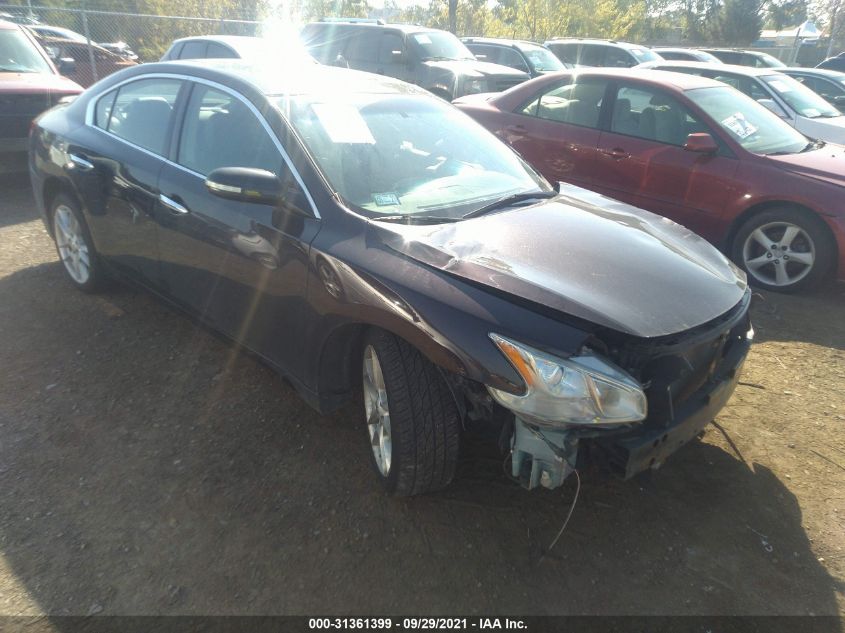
(142, 113)
(484, 53)
(363, 48)
(575, 102)
(565, 52)
(592, 55)
(218, 51)
(193, 50)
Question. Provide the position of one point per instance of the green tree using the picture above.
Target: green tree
(740, 22)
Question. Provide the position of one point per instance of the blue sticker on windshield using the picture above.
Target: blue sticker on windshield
(386, 199)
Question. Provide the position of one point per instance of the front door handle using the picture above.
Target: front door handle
(516, 129)
(80, 162)
(173, 206)
(616, 153)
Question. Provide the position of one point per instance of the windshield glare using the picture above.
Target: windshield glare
(750, 124)
(439, 45)
(390, 155)
(19, 55)
(542, 59)
(799, 97)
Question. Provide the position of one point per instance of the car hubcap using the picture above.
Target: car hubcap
(70, 241)
(779, 253)
(377, 411)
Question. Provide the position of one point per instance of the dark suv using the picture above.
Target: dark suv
(433, 59)
(529, 57)
(580, 52)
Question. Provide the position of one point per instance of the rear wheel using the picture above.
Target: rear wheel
(412, 422)
(74, 245)
(784, 250)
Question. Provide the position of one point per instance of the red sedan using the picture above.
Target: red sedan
(691, 149)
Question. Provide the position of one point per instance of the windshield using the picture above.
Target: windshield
(750, 124)
(645, 55)
(19, 55)
(389, 155)
(439, 45)
(799, 97)
(542, 60)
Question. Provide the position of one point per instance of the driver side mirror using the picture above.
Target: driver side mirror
(702, 143)
(245, 184)
(66, 66)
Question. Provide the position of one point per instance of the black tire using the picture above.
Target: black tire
(96, 279)
(424, 420)
(816, 239)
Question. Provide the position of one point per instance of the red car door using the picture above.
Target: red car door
(641, 160)
(557, 131)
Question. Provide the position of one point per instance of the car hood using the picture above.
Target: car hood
(826, 163)
(586, 256)
(831, 130)
(472, 68)
(30, 83)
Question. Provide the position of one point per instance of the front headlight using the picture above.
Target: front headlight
(578, 390)
(473, 86)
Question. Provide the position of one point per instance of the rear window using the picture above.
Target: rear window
(141, 113)
(193, 50)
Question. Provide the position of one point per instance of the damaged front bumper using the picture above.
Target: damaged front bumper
(545, 457)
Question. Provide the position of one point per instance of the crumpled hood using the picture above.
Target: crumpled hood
(33, 83)
(831, 130)
(826, 163)
(587, 256)
(472, 68)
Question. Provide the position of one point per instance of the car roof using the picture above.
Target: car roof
(500, 41)
(406, 28)
(587, 40)
(297, 79)
(821, 72)
(231, 40)
(8, 26)
(748, 71)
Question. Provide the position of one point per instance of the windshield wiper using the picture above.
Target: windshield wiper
(19, 69)
(509, 201)
(415, 219)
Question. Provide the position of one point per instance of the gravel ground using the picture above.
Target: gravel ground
(147, 468)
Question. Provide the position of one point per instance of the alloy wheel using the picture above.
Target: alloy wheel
(377, 411)
(779, 253)
(72, 247)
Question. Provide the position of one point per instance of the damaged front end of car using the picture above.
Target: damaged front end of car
(622, 401)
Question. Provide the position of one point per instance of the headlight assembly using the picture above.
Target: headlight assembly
(578, 390)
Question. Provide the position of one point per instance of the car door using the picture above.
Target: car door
(641, 158)
(557, 131)
(830, 90)
(362, 50)
(116, 160)
(241, 267)
(393, 60)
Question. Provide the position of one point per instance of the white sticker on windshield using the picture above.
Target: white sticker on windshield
(343, 123)
(739, 125)
(386, 199)
(780, 86)
(422, 39)
(811, 113)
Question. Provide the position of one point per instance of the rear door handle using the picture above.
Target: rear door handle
(80, 162)
(616, 153)
(173, 206)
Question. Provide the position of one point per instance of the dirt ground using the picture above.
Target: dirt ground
(147, 468)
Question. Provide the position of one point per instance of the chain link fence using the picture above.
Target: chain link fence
(102, 42)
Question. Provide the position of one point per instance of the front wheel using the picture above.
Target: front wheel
(412, 421)
(784, 250)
